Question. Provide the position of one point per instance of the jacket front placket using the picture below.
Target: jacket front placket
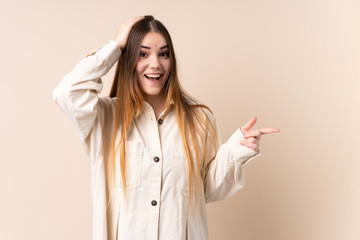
(151, 138)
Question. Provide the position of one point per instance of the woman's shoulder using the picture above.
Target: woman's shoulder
(107, 101)
(107, 104)
(205, 111)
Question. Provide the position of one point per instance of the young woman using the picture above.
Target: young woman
(154, 151)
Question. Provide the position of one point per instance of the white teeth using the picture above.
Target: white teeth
(153, 75)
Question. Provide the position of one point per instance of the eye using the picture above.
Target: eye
(143, 54)
(164, 54)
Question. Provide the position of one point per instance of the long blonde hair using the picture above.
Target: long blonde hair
(193, 122)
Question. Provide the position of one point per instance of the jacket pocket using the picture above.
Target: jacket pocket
(133, 166)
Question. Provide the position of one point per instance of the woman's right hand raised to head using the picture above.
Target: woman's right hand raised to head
(123, 31)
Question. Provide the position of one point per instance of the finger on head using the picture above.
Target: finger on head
(249, 124)
(135, 19)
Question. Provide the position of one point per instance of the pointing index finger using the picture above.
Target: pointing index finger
(269, 130)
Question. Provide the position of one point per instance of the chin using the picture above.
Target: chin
(153, 93)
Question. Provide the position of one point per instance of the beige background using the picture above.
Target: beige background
(293, 64)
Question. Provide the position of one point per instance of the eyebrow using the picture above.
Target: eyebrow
(150, 47)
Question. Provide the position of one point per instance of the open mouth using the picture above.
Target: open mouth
(153, 77)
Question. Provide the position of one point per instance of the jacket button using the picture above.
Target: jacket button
(153, 202)
(156, 159)
(160, 121)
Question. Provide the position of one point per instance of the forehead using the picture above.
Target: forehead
(154, 40)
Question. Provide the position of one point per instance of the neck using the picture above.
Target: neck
(157, 103)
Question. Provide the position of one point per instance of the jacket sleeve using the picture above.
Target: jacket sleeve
(77, 93)
(225, 172)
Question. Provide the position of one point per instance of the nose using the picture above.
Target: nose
(154, 62)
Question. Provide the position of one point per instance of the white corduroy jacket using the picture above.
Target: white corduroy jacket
(157, 176)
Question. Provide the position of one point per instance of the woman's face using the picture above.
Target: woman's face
(153, 67)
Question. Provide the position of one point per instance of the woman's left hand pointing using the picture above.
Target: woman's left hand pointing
(252, 137)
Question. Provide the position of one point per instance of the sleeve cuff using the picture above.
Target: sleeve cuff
(239, 153)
